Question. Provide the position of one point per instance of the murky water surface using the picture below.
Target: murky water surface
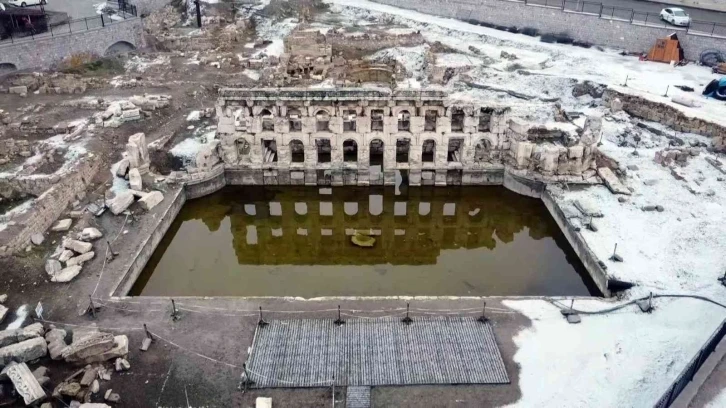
(290, 241)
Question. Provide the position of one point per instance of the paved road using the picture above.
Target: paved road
(74, 8)
(650, 7)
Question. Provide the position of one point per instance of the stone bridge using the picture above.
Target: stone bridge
(117, 37)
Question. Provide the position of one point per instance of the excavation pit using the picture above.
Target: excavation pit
(296, 241)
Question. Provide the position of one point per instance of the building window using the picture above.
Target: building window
(270, 151)
(428, 150)
(349, 117)
(430, 120)
(297, 151)
(376, 152)
(324, 150)
(457, 120)
(455, 150)
(350, 151)
(485, 119)
(482, 150)
(377, 120)
(322, 121)
(268, 121)
(295, 118)
(402, 148)
(404, 121)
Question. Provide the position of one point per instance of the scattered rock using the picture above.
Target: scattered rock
(66, 255)
(622, 199)
(62, 225)
(111, 396)
(56, 342)
(123, 168)
(632, 167)
(88, 346)
(24, 351)
(120, 349)
(52, 267)
(12, 336)
(659, 208)
(89, 376)
(94, 405)
(90, 234)
(3, 298)
(26, 384)
(611, 181)
(118, 203)
(3, 312)
(80, 259)
(587, 208)
(77, 246)
(37, 238)
(68, 389)
(135, 182)
(648, 208)
(592, 225)
(616, 258)
(67, 274)
(150, 200)
(95, 387)
(194, 116)
(122, 364)
(616, 105)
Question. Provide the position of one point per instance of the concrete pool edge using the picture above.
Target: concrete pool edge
(215, 180)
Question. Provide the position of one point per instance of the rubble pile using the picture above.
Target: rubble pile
(675, 155)
(89, 348)
(132, 109)
(54, 83)
(132, 167)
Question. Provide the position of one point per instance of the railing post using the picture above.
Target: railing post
(632, 15)
(102, 23)
(70, 29)
(712, 30)
(600, 15)
(85, 19)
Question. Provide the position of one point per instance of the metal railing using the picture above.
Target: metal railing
(127, 11)
(692, 368)
(632, 16)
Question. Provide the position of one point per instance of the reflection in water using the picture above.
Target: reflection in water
(295, 241)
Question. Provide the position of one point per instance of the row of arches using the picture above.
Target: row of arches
(376, 150)
(322, 120)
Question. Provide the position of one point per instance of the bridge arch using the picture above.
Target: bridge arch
(7, 67)
(119, 47)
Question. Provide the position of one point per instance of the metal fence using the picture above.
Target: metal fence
(632, 16)
(124, 11)
(692, 368)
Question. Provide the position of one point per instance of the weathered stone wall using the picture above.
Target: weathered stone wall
(43, 53)
(582, 27)
(670, 116)
(49, 205)
(372, 41)
(294, 136)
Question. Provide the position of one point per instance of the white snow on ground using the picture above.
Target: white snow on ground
(412, 58)
(141, 64)
(680, 250)
(457, 60)
(719, 401)
(252, 74)
(564, 61)
(622, 359)
(274, 31)
(188, 148)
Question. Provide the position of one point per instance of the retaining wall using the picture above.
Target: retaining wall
(146, 7)
(44, 52)
(581, 27)
(148, 246)
(48, 206)
(583, 251)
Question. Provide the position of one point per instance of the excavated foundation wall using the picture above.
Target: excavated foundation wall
(49, 205)
(669, 116)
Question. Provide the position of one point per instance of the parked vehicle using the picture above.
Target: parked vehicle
(21, 22)
(675, 16)
(24, 3)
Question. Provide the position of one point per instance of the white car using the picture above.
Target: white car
(23, 3)
(675, 16)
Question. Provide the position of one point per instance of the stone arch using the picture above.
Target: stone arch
(350, 150)
(118, 48)
(6, 68)
(297, 151)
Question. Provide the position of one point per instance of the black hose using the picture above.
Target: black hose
(618, 307)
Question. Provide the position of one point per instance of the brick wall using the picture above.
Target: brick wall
(43, 53)
(46, 209)
(581, 27)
